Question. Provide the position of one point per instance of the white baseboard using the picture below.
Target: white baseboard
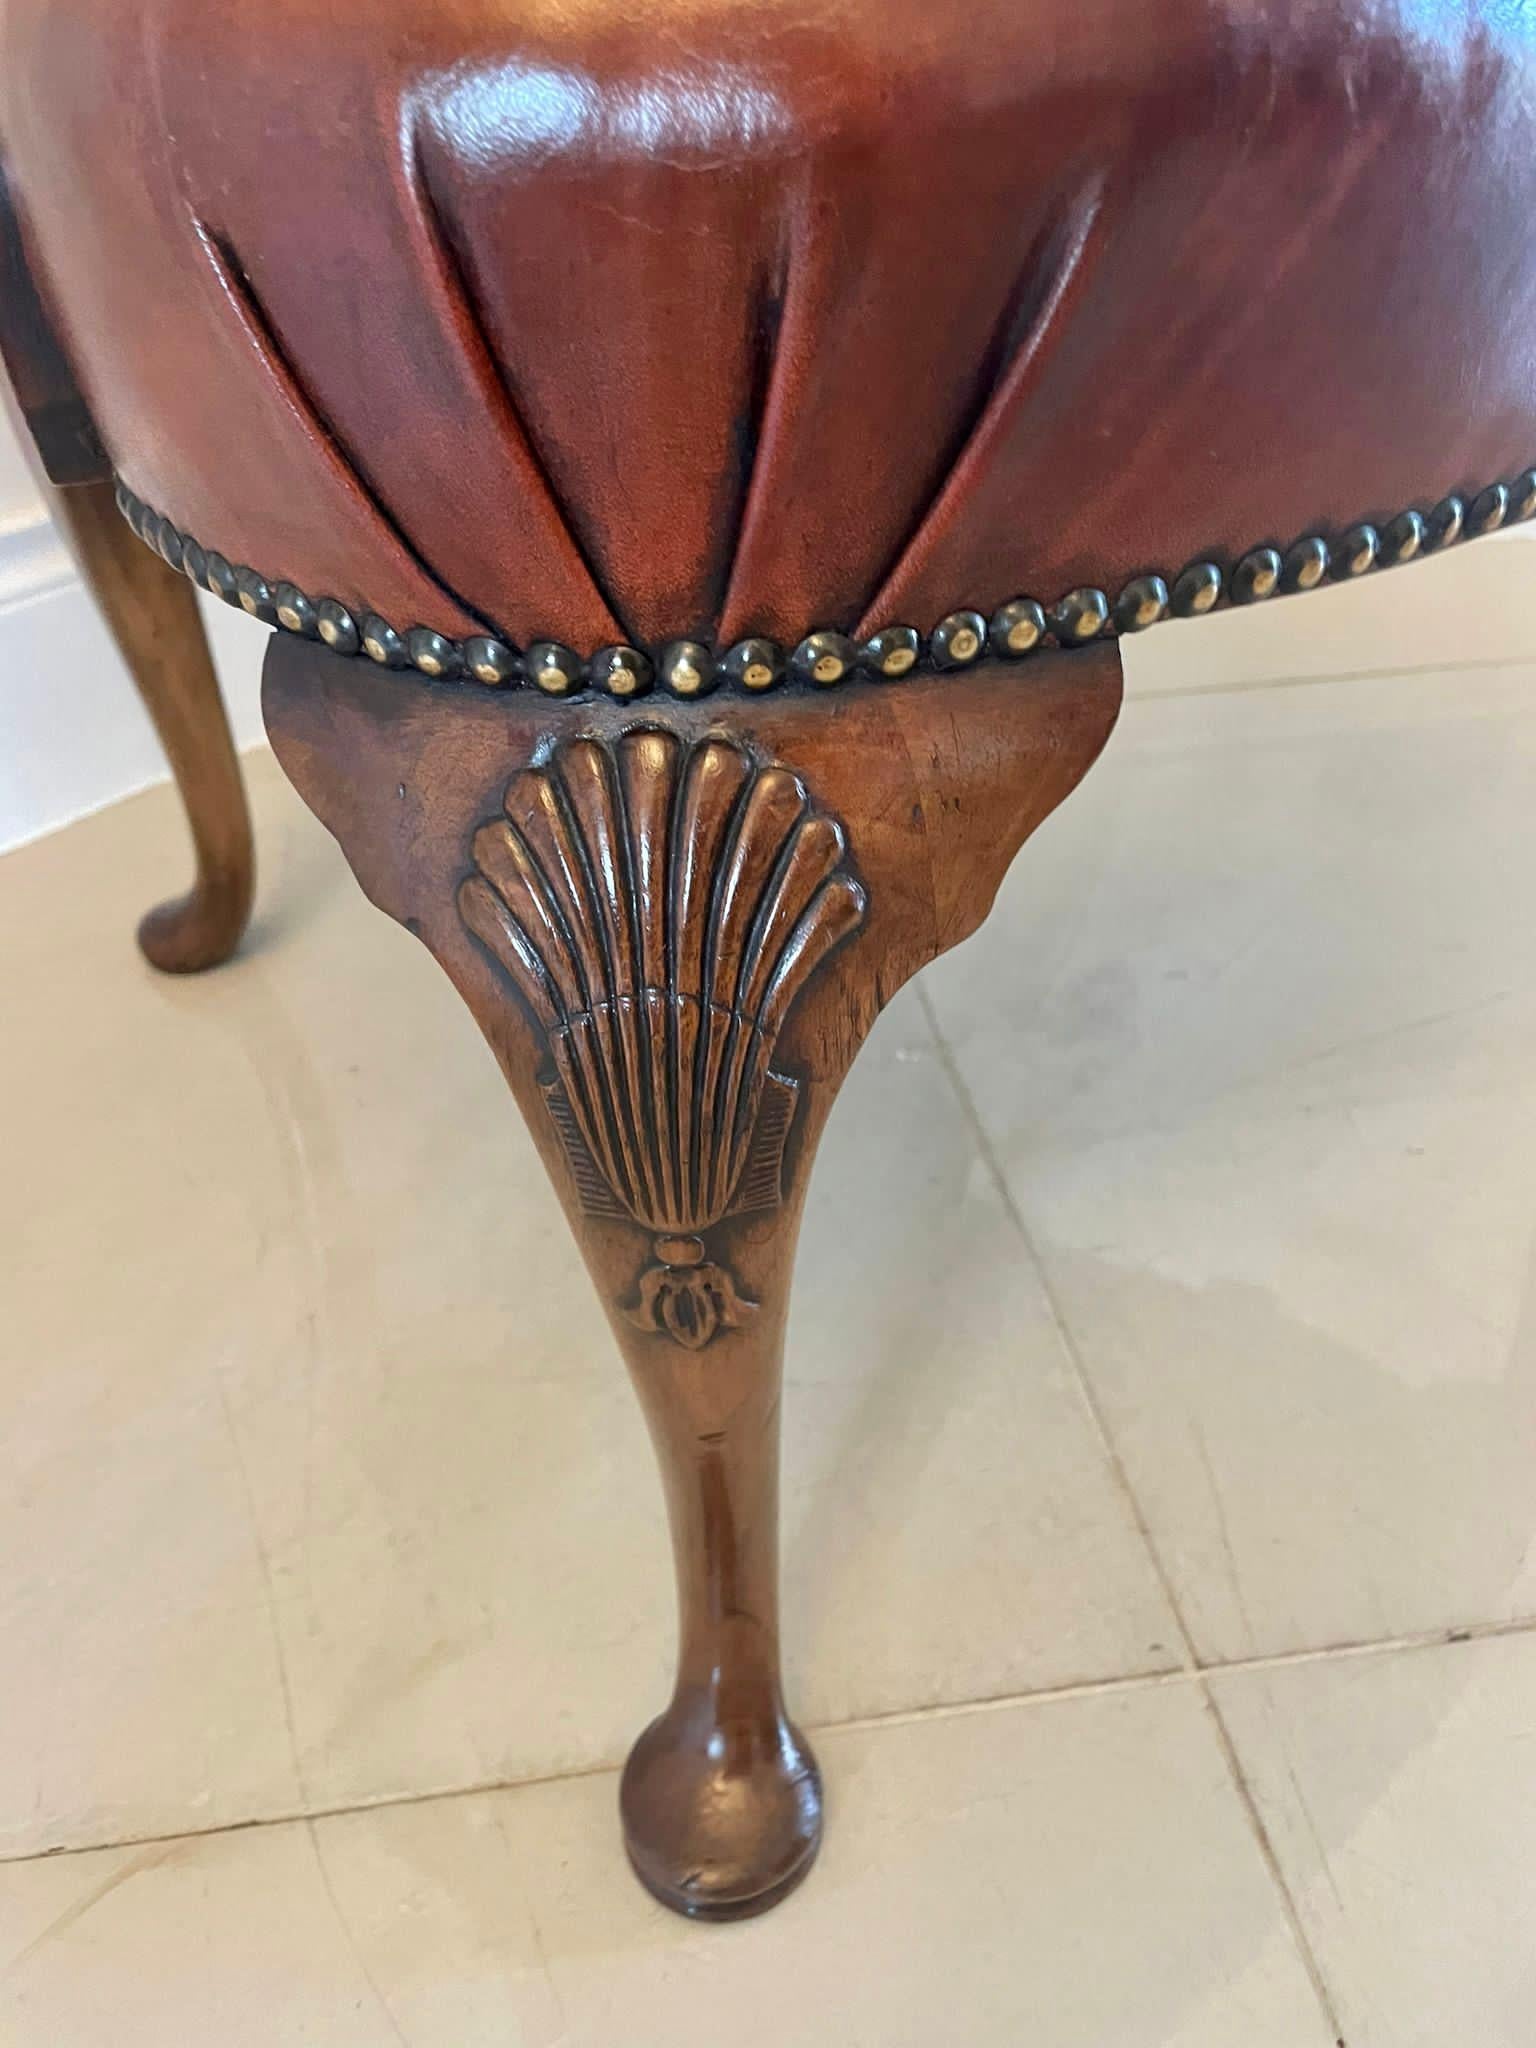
(33, 560)
(73, 734)
(74, 737)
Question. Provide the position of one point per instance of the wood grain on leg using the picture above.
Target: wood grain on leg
(675, 924)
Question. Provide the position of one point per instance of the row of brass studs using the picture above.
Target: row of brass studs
(687, 668)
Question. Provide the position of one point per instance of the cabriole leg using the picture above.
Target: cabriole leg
(152, 614)
(675, 925)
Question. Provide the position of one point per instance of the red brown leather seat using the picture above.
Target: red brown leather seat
(720, 319)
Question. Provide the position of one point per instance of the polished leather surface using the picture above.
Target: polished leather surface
(43, 394)
(633, 318)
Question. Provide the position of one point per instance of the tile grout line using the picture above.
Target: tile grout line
(1122, 1479)
(1085, 1389)
(1180, 692)
(1451, 1637)
(855, 1724)
(1271, 1860)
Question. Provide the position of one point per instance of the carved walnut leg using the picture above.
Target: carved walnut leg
(675, 923)
(153, 616)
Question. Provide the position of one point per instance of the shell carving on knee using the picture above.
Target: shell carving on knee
(659, 905)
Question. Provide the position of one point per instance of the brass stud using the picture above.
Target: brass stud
(1356, 552)
(1196, 592)
(621, 671)
(221, 578)
(294, 610)
(958, 639)
(554, 668)
(1401, 538)
(432, 654)
(255, 596)
(1443, 527)
(891, 652)
(755, 663)
(1141, 604)
(1305, 564)
(1017, 628)
(688, 668)
(1489, 509)
(381, 643)
(1080, 616)
(1256, 576)
(489, 661)
(823, 659)
(336, 627)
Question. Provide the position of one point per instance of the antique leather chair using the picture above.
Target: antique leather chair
(699, 461)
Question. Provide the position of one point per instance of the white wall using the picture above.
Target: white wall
(73, 736)
(16, 493)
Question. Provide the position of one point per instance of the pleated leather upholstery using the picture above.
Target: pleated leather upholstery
(624, 319)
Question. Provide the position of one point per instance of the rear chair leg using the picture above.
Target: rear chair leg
(151, 613)
(153, 616)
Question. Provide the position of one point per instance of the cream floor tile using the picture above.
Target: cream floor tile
(321, 1479)
(1399, 1796)
(1252, 1030)
(1074, 1875)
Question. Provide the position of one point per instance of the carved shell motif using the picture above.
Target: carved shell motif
(659, 905)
